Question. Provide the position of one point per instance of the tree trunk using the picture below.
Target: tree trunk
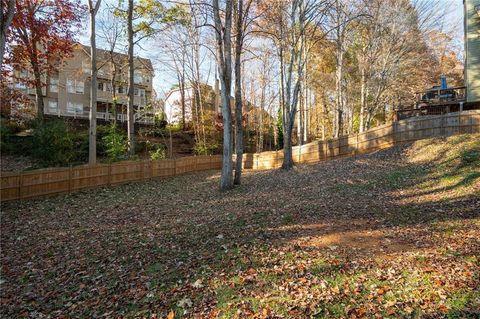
(362, 100)
(339, 98)
(38, 82)
(131, 68)
(92, 132)
(287, 145)
(224, 59)
(238, 95)
(6, 20)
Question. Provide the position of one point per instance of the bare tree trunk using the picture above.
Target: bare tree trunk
(287, 144)
(38, 82)
(181, 86)
(5, 21)
(224, 57)
(131, 82)
(362, 99)
(114, 88)
(92, 132)
(339, 98)
(238, 94)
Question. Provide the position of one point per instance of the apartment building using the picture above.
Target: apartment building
(472, 49)
(67, 92)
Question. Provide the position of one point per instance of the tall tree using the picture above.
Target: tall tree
(223, 36)
(131, 80)
(92, 132)
(43, 32)
(111, 29)
(143, 19)
(293, 19)
(6, 16)
(242, 21)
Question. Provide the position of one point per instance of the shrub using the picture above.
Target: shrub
(207, 148)
(55, 143)
(7, 145)
(114, 143)
(157, 151)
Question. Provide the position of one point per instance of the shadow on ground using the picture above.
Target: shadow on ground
(351, 237)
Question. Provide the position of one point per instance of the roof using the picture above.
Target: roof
(105, 54)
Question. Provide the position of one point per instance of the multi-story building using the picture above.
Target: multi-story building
(472, 49)
(67, 92)
(173, 102)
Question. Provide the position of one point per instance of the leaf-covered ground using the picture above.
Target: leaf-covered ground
(391, 234)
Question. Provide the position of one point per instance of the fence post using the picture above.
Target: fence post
(174, 167)
(20, 185)
(109, 175)
(70, 177)
(151, 169)
(356, 146)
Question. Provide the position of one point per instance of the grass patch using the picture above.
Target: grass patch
(462, 304)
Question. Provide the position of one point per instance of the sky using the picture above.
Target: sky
(164, 79)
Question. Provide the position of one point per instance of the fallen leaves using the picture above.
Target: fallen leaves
(344, 238)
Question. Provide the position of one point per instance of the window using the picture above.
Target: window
(74, 108)
(139, 92)
(75, 86)
(79, 87)
(121, 90)
(70, 86)
(22, 76)
(52, 107)
(21, 85)
(100, 86)
(86, 66)
(137, 77)
(54, 85)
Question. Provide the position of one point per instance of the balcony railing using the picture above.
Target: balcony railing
(138, 117)
(439, 96)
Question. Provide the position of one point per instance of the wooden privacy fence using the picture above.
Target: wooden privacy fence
(42, 182)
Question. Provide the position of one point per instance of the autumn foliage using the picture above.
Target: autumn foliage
(42, 33)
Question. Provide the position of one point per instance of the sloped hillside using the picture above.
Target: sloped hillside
(394, 234)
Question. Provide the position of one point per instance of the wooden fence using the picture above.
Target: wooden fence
(50, 181)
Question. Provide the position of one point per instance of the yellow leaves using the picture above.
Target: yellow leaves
(171, 315)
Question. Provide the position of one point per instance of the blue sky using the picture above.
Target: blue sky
(164, 79)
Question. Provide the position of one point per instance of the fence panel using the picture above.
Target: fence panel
(29, 184)
(45, 182)
(87, 176)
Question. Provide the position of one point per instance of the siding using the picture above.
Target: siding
(472, 50)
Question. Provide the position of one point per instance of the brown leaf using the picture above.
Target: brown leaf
(171, 315)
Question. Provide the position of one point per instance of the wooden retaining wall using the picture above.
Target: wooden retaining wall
(50, 181)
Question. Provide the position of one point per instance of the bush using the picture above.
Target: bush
(55, 143)
(7, 145)
(207, 148)
(114, 143)
(158, 151)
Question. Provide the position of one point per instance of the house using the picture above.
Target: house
(472, 49)
(173, 102)
(67, 92)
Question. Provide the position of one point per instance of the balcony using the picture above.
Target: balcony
(138, 117)
(122, 98)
